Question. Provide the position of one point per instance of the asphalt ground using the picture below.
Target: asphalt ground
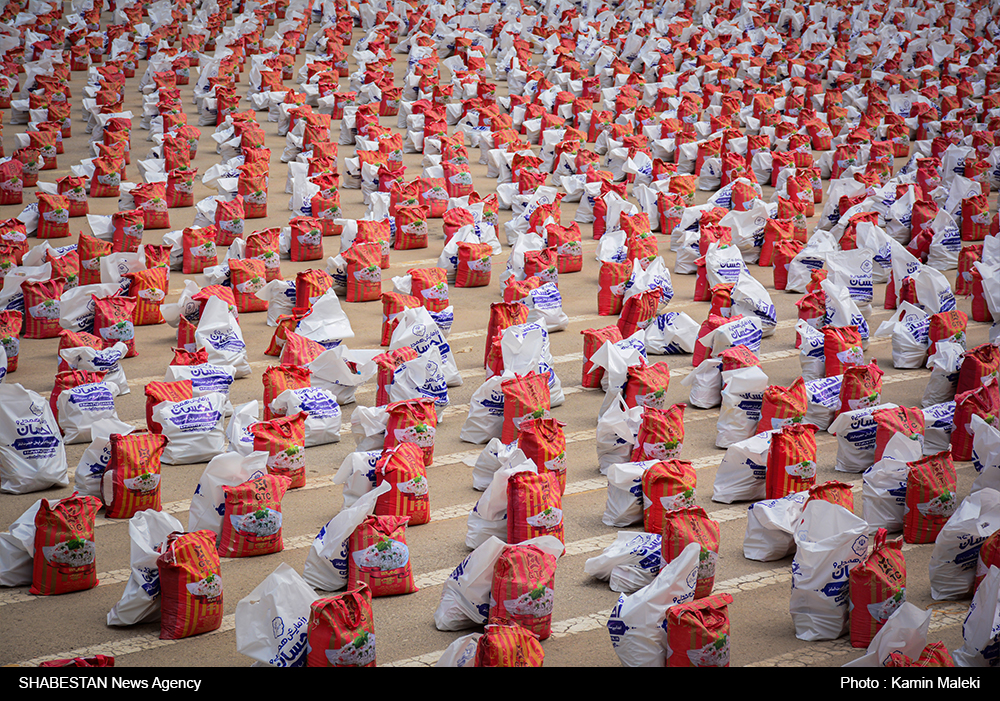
(36, 628)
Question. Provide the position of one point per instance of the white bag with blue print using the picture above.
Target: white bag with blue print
(272, 622)
(829, 542)
(140, 603)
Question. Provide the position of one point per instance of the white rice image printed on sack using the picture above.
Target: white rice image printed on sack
(48, 309)
(416, 487)
(384, 555)
(668, 450)
(803, 470)
(146, 482)
(943, 505)
(678, 501)
(75, 552)
(262, 523)
(547, 518)
(421, 434)
(883, 609)
(290, 459)
(714, 654)
(537, 603)
(209, 588)
(357, 653)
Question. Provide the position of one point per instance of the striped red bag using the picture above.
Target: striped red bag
(379, 557)
(877, 588)
(738, 357)
(775, 230)
(113, 321)
(64, 546)
(199, 250)
(364, 276)
(310, 285)
(503, 315)
(507, 644)
(377, 232)
(251, 523)
(534, 507)
(646, 385)
(784, 253)
(190, 585)
(567, 240)
(475, 265)
(611, 287)
(697, 632)
(430, 286)
(638, 312)
(661, 434)
(930, 497)
(782, 405)
(592, 340)
(151, 199)
(41, 306)
(978, 366)
(131, 480)
(342, 630)
(946, 326)
(149, 287)
(983, 402)
(247, 278)
(68, 379)
(839, 493)
(791, 462)
(284, 440)
(687, 525)
(412, 421)
(159, 392)
(841, 349)
(525, 396)
(906, 422)
(411, 227)
(402, 466)
(523, 589)
(307, 239)
(722, 299)
(264, 245)
(278, 378)
(543, 441)
(53, 216)
(229, 216)
(861, 387)
(667, 485)
(91, 250)
(285, 324)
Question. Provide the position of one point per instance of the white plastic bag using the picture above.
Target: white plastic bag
(32, 453)
(95, 458)
(855, 431)
(82, 406)
(624, 504)
(945, 365)
(17, 550)
(742, 397)
(742, 475)
(981, 629)
(194, 429)
(617, 429)
(705, 382)
(140, 603)
(225, 470)
(357, 474)
(770, 527)
(219, 332)
(883, 494)
(829, 542)
(956, 548)
(272, 621)
(485, 420)
(633, 559)
(326, 563)
(908, 326)
(636, 622)
(323, 415)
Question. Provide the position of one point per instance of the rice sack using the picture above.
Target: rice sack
(251, 523)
